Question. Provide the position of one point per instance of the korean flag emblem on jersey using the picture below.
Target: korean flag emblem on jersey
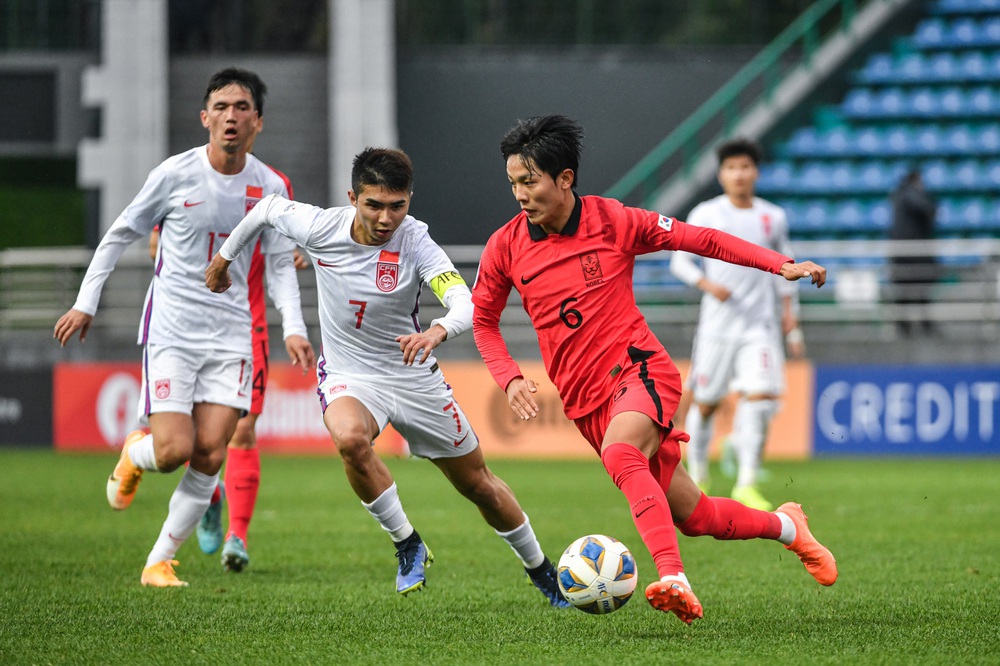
(665, 223)
(387, 271)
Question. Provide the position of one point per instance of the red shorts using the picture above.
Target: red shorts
(260, 360)
(650, 385)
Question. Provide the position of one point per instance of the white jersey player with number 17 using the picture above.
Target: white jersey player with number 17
(377, 366)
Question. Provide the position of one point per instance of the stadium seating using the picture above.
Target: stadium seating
(931, 102)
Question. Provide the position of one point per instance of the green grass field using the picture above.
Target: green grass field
(917, 542)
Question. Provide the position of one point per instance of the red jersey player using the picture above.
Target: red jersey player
(571, 259)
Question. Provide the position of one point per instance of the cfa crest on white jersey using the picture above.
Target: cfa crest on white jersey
(665, 222)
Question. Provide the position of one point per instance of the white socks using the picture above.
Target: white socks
(750, 424)
(788, 531)
(143, 455)
(700, 430)
(187, 506)
(524, 544)
(679, 577)
(388, 512)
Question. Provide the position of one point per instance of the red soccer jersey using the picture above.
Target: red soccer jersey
(255, 279)
(576, 287)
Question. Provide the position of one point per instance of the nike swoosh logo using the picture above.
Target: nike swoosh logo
(527, 280)
(188, 204)
(643, 511)
(323, 263)
(459, 442)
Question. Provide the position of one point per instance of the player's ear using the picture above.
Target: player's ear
(204, 118)
(352, 197)
(260, 123)
(566, 178)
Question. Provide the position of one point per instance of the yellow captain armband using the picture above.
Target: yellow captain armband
(445, 281)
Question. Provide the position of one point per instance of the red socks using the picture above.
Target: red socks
(725, 519)
(242, 482)
(630, 471)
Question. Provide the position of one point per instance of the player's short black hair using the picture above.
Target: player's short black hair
(737, 147)
(243, 78)
(382, 167)
(552, 142)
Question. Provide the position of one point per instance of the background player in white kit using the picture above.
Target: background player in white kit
(197, 356)
(376, 365)
(738, 343)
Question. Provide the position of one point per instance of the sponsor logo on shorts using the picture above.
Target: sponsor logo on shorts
(337, 388)
(458, 442)
(619, 393)
(162, 389)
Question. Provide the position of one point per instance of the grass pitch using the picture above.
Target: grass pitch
(916, 540)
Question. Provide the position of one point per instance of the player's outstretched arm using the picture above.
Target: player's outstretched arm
(792, 271)
(70, 323)
(217, 274)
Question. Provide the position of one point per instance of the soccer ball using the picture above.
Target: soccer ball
(597, 574)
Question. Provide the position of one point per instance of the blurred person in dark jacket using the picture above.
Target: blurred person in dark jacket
(913, 218)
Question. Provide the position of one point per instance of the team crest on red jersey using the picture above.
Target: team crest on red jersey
(254, 195)
(591, 265)
(162, 389)
(387, 271)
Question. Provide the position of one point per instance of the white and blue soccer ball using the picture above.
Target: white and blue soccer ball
(597, 574)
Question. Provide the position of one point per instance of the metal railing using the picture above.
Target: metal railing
(861, 305)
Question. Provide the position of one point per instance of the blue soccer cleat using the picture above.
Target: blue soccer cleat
(234, 554)
(210, 527)
(545, 578)
(414, 557)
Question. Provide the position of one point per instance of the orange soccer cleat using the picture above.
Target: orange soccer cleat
(124, 480)
(675, 597)
(818, 560)
(162, 574)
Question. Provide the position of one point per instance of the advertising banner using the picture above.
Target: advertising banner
(907, 410)
(26, 407)
(95, 407)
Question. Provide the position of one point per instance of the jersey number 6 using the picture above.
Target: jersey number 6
(572, 318)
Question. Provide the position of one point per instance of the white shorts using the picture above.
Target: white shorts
(753, 366)
(428, 417)
(175, 378)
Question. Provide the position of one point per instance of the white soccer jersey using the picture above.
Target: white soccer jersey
(751, 308)
(197, 207)
(368, 295)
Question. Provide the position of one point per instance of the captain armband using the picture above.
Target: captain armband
(445, 281)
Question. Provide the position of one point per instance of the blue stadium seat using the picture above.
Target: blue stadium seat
(962, 33)
(989, 32)
(775, 177)
(911, 68)
(898, 140)
(815, 217)
(965, 175)
(879, 215)
(964, 6)
(927, 140)
(942, 68)
(859, 103)
(880, 68)
(936, 175)
(991, 176)
(849, 216)
(987, 139)
(981, 101)
(837, 142)
(813, 178)
(971, 215)
(803, 143)
(877, 177)
(891, 102)
(930, 33)
(973, 66)
(869, 141)
(958, 140)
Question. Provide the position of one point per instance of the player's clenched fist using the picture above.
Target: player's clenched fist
(792, 271)
(217, 274)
